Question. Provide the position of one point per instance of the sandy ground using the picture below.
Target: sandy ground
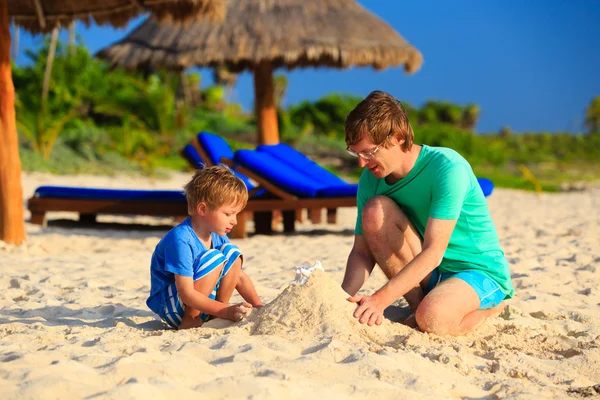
(73, 320)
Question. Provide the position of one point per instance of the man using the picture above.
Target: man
(423, 218)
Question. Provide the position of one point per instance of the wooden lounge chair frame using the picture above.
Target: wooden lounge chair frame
(88, 209)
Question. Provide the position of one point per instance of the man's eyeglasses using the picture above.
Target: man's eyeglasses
(367, 155)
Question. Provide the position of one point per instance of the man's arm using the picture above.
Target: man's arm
(246, 289)
(359, 266)
(435, 242)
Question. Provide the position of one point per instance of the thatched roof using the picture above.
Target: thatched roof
(43, 15)
(287, 33)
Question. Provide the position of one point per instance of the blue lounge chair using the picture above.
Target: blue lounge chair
(214, 149)
(487, 186)
(293, 157)
(89, 202)
(309, 168)
(291, 179)
(208, 152)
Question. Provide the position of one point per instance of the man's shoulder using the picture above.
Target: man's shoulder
(445, 157)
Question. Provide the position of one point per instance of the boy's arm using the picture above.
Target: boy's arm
(199, 301)
(359, 266)
(246, 289)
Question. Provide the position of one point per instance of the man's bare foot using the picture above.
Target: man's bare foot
(410, 321)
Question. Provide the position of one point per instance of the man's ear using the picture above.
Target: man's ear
(201, 208)
(395, 141)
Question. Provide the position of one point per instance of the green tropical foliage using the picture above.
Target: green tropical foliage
(592, 115)
(105, 120)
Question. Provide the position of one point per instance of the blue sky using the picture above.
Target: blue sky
(532, 65)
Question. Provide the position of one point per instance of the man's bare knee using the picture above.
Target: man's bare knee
(377, 211)
(430, 318)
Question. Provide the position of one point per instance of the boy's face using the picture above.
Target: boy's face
(222, 219)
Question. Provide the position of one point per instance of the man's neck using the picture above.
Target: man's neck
(409, 159)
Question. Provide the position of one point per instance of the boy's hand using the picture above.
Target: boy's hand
(237, 312)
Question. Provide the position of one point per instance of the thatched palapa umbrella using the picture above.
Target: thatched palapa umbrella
(40, 16)
(263, 35)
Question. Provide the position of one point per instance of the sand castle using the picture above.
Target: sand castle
(316, 308)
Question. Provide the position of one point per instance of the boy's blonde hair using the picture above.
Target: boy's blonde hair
(378, 116)
(216, 186)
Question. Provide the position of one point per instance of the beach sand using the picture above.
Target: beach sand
(74, 324)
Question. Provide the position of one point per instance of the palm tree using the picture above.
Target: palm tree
(15, 49)
(49, 62)
(42, 127)
(592, 115)
(147, 106)
(470, 116)
(71, 37)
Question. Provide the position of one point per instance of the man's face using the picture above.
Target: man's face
(376, 157)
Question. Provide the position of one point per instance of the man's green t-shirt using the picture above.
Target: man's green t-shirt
(442, 185)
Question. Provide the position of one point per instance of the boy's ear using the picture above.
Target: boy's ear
(201, 208)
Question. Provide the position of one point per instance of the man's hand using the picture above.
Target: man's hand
(369, 310)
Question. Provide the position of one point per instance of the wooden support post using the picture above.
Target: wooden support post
(289, 221)
(332, 215)
(239, 231)
(315, 215)
(38, 218)
(262, 222)
(266, 113)
(12, 214)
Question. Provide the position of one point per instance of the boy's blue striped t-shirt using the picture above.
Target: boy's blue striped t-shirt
(175, 254)
(442, 185)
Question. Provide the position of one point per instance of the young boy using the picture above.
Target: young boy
(195, 268)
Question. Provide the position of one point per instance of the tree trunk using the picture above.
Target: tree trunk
(49, 62)
(15, 44)
(12, 221)
(266, 113)
(185, 86)
(72, 37)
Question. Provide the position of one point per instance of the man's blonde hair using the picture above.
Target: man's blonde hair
(216, 186)
(378, 116)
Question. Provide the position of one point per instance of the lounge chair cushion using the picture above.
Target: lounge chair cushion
(293, 157)
(278, 173)
(65, 192)
(215, 147)
(334, 185)
(487, 186)
(189, 152)
(342, 190)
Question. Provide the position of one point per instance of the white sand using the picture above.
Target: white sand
(73, 320)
